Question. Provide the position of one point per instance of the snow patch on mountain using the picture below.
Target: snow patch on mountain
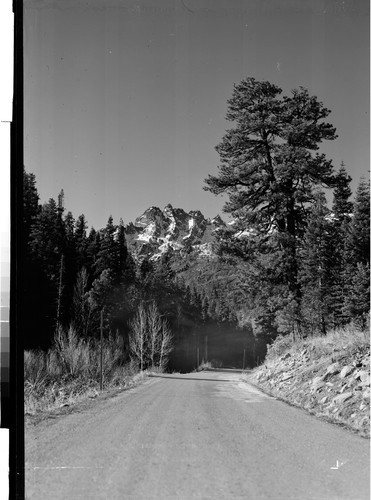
(156, 231)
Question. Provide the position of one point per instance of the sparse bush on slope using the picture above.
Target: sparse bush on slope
(70, 370)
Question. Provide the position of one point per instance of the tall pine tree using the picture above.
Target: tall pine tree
(31, 207)
(342, 212)
(270, 164)
(342, 207)
(357, 258)
(315, 269)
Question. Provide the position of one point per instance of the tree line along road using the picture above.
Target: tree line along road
(199, 435)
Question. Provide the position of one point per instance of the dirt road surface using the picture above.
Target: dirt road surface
(200, 435)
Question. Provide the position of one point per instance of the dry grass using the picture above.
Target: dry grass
(340, 339)
(204, 365)
(331, 345)
(70, 371)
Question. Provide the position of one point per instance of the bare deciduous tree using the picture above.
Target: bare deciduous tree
(154, 330)
(139, 335)
(150, 337)
(166, 345)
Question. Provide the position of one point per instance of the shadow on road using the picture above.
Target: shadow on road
(172, 377)
(228, 370)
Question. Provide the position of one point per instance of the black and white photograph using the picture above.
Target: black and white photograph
(194, 313)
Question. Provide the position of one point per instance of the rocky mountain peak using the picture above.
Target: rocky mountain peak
(218, 221)
(155, 231)
(152, 214)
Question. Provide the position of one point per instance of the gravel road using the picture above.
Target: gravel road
(199, 435)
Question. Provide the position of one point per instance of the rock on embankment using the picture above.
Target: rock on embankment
(335, 388)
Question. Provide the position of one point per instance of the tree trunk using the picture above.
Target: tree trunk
(60, 290)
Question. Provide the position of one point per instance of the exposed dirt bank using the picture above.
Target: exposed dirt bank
(329, 377)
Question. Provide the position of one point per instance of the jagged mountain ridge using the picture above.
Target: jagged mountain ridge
(156, 231)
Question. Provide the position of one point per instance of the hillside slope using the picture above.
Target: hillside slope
(327, 376)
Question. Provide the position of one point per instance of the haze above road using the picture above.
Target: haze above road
(199, 435)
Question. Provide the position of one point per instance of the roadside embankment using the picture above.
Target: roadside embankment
(327, 376)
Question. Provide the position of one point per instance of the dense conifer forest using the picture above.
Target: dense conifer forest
(72, 274)
(287, 265)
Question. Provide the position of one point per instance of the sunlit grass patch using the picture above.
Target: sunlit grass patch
(70, 371)
(331, 344)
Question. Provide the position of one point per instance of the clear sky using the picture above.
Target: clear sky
(125, 100)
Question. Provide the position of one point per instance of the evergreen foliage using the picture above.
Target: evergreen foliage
(287, 265)
(31, 206)
(356, 273)
(358, 244)
(339, 229)
(315, 269)
(270, 166)
(71, 275)
(342, 207)
(297, 257)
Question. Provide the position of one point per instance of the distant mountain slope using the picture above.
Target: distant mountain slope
(156, 231)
